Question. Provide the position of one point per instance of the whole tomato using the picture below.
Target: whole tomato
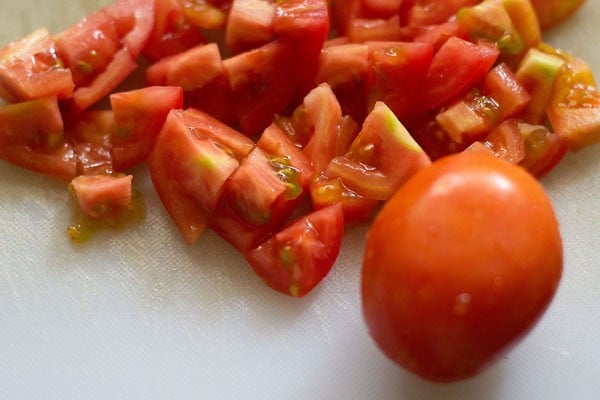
(459, 264)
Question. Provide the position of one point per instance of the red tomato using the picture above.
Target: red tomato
(297, 258)
(459, 265)
(139, 116)
(31, 136)
(171, 32)
(456, 67)
(30, 69)
(100, 196)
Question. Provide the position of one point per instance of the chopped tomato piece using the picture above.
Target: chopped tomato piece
(134, 20)
(201, 74)
(362, 30)
(31, 136)
(31, 69)
(297, 258)
(262, 194)
(326, 191)
(381, 158)
(456, 67)
(206, 14)
(250, 24)
(262, 84)
(544, 149)
(139, 116)
(507, 142)
(171, 32)
(88, 46)
(120, 67)
(102, 196)
(396, 75)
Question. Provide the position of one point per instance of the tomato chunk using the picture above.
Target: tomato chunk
(298, 257)
(31, 69)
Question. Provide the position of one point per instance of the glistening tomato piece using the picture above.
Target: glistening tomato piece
(297, 258)
(30, 69)
(171, 33)
(456, 67)
(31, 136)
(102, 196)
(139, 116)
(459, 265)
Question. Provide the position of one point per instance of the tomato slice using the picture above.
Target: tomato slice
(31, 69)
(171, 32)
(206, 14)
(506, 142)
(31, 136)
(431, 12)
(362, 30)
(297, 258)
(544, 149)
(456, 67)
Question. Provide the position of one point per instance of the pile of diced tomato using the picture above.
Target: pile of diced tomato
(277, 123)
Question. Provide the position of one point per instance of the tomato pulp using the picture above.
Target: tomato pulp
(459, 264)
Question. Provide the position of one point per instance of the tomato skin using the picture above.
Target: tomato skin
(476, 259)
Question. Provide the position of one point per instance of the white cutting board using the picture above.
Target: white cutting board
(136, 314)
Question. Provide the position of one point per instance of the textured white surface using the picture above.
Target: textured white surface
(136, 314)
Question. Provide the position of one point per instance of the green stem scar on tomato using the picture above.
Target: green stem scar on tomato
(460, 263)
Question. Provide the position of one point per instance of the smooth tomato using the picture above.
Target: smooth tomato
(459, 265)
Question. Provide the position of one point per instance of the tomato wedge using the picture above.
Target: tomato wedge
(297, 258)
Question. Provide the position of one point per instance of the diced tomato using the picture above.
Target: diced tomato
(431, 12)
(507, 142)
(250, 24)
(574, 105)
(396, 76)
(30, 69)
(134, 20)
(206, 14)
(90, 135)
(456, 67)
(326, 191)
(322, 117)
(544, 149)
(362, 30)
(102, 196)
(171, 33)
(298, 257)
(343, 67)
(262, 194)
(194, 155)
(88, 46)
(303, 25)
(381, 158)
(438, 34)
(139, 116)
(502, 85)
(381, 8)
(344, 11)
(121, 66)
(31, 136)
(201, 74)
(262, 83)
(469, 118)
